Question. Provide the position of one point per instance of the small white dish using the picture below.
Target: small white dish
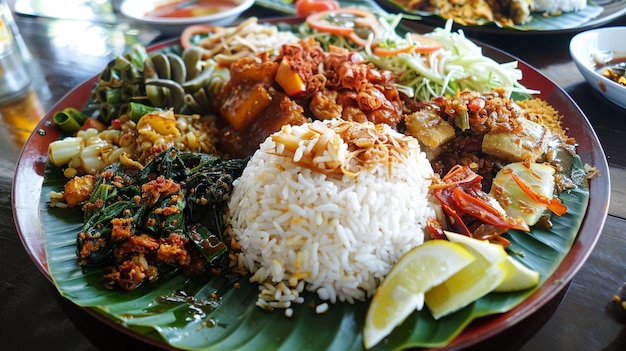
(587, 49)
(144, 11)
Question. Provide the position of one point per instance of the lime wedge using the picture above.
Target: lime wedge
(521, 277)
(402, 290)
(483, 275)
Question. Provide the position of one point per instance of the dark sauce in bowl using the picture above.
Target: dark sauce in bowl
(615, 70)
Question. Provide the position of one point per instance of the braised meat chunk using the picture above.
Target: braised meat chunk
(281, 110)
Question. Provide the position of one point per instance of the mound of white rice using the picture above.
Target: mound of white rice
(556, 6)
(340, 234)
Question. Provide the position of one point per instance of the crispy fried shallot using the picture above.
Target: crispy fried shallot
(339, 148)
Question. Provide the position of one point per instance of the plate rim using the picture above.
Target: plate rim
(32, 161)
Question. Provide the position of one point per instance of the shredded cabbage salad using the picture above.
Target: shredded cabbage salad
(459, 64)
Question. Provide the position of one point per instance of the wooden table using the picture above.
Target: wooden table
(33, 316)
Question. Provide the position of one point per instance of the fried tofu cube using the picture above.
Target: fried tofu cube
(78, 189)
(530, 143)
(429, 128)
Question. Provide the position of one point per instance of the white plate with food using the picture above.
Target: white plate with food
(599, 55)
(172, 16)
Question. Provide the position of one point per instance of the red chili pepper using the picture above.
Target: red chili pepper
(461, 175)
(480, 209)
(458, 176)
(486, 231)
(500, 240)
(476, 105)
(435, 229)
(455, 221)
(460, 196)
(116, 124)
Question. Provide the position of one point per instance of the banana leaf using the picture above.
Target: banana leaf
(233, 321)
(538, 22)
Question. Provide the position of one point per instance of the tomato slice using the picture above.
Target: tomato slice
(193, 34)
(353, 23)
(308, 7)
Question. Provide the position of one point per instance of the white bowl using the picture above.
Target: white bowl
(588, 46)
(138, 11)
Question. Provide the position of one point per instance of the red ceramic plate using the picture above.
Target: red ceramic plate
(27, 187)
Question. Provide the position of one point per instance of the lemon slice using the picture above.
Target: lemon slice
(521, 277)
(480, 277)
(402, 290)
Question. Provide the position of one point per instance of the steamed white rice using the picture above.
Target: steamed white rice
(556, 6)
(340, 235)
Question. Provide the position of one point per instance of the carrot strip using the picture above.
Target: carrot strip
(386, 52)
(426, 45)
(553, 204)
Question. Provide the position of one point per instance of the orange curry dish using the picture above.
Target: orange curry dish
(301, 84)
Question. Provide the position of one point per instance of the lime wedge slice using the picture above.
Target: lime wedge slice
(402, 290)
(479, 278)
